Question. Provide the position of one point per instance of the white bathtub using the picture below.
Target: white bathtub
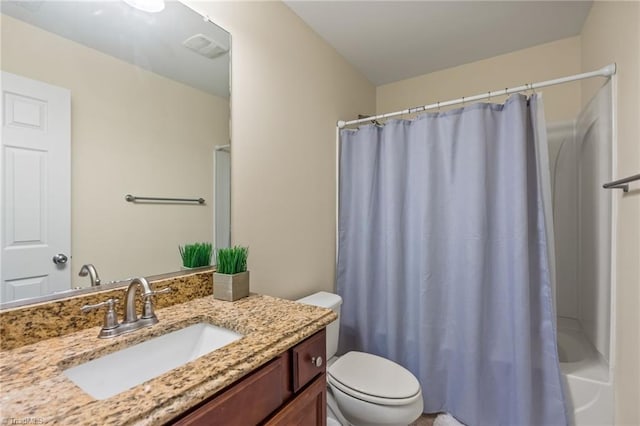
(586, 375)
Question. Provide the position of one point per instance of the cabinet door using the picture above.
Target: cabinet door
(246, 403)
(308, 408)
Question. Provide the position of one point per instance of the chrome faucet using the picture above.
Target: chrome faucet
(90, 270)
(130, 314)
(131, 322)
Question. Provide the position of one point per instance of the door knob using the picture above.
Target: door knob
(60, 259)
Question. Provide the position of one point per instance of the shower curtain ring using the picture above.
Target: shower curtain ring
(489, 95)
(438, 106)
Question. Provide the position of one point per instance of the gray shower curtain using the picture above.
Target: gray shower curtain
(444, 259)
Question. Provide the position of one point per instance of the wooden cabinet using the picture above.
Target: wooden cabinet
(288, 390)
(307, 408)
(248, 401)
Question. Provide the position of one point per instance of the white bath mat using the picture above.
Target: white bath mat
(446, 420)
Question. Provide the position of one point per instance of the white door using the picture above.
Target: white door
(36, 188)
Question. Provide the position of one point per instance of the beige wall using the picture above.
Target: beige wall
(543, 62)
(611, 33)
(288, 90)
(132, 132)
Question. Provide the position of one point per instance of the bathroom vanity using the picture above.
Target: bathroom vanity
(274, 374)
(288, 390)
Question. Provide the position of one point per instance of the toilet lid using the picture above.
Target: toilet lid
(373, 375)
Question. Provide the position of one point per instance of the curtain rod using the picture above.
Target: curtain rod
(606, 71)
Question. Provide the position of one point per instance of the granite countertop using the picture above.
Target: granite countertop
(35, 391)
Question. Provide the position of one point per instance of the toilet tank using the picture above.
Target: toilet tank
(331, 301)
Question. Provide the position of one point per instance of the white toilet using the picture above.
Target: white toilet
(365, 389)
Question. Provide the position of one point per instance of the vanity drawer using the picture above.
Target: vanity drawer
(247, 402)
(309, 359)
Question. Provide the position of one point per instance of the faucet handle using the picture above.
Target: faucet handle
(163, 291)
(110, 316)
(147, 306)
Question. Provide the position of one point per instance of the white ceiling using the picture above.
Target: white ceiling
(393, 40)
(152, 41)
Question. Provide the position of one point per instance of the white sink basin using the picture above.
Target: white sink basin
(111, 374)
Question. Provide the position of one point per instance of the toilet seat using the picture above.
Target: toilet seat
(374, 379)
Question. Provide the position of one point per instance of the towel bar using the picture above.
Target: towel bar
(132, 199)
(621, 183)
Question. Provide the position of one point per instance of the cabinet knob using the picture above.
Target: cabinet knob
(317, 361)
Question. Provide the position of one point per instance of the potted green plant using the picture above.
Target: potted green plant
(196, 255)
(231, 279)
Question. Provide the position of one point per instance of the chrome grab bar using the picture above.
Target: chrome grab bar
(621, 183)
(133, 198)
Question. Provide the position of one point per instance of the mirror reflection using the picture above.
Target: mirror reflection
(102, 100)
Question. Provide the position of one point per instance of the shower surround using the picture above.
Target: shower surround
(581, 161)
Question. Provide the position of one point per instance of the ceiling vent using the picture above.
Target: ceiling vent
(203, 45)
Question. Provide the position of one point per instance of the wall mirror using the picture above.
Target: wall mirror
(101, 99)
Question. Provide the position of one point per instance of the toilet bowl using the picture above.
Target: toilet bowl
(365, 389)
